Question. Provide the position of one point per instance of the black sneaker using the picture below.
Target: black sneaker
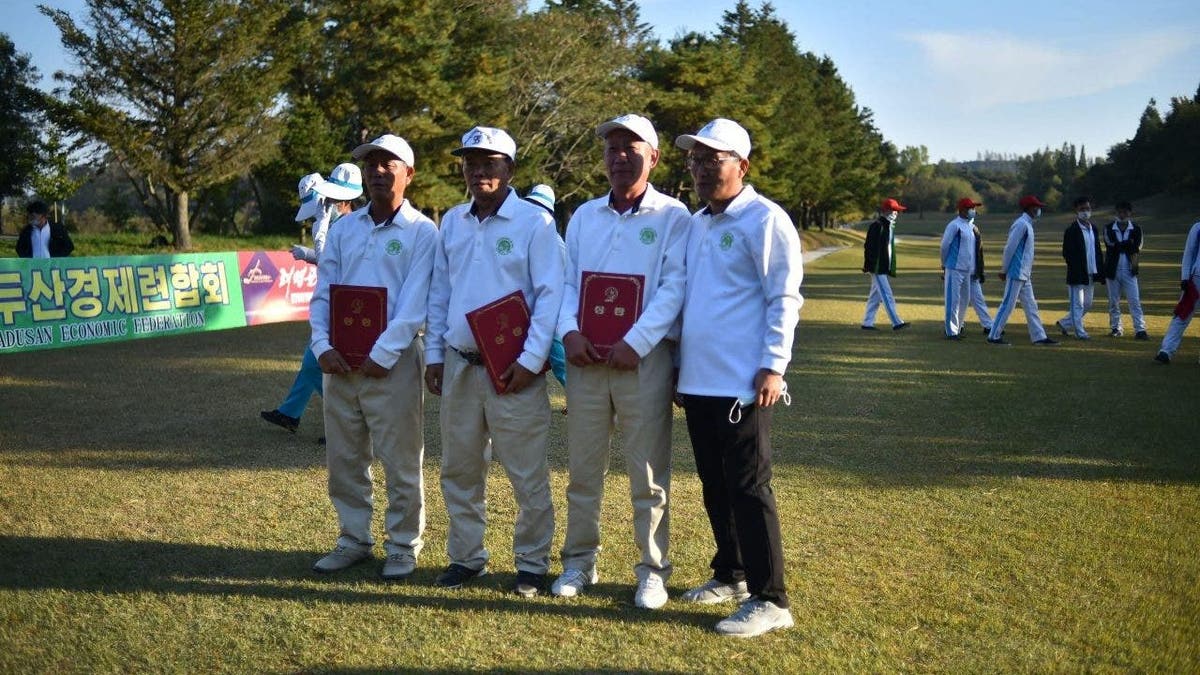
(279, 419)
(998, 341)
(868, 327)
(1116, 332)
(1046, 342)
(901, 326)
(1061, 328)
(954, 337)
(529, 584)
(1163, 358)
(1141, 335)
(456, 575)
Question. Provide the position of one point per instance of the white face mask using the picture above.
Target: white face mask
(971, 214)
(1085, 215)
(1037, 214)
(892, 216)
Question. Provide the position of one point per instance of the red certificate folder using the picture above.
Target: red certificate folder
(1187, 303)
(500, 328)
(609, 305)
(358, 315)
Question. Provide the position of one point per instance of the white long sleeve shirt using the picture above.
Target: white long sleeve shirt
(958, 245)
(397, 255)
(516, 248)
(40, 240)
(1017, 262)
(650, 239)
(1089, 246)
(742, 304)
(1191, 254)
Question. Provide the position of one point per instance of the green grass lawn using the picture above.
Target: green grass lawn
(945, 506)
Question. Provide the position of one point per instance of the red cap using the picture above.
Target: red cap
(968, 203)
(890, 204)
(1029, 200)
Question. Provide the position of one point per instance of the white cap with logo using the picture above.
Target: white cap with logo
(719, 134)
(388, 143)
(344, 184)
(636, 124)
(309, 204)
(488, 139)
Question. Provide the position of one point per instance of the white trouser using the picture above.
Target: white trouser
(881, 292)
(957, 295)
(1175, 329)
(368, 418)
(641, 401)
(518, 426)
(980, 305)
(1079, 303)
(1125, 283)
(1018, 290)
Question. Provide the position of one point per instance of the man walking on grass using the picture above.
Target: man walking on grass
(1017, 274)
(740, 311)
(376, 410)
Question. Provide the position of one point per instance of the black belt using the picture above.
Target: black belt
(472, 358)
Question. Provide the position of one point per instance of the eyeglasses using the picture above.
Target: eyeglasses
(709, 161)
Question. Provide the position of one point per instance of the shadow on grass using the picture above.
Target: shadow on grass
(124, 566)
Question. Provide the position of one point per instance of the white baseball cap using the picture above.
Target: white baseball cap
(490, 139)
(636, 124)
(388, 143)
(542, 195)
(344, 184)
(719, 134)
(309, 204)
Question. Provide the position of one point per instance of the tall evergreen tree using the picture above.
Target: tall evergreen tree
(182, 93)
(20, 113)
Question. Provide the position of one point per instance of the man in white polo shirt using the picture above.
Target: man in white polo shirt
(490, 247)
(740, 311)
(377, 411)
(632, 230)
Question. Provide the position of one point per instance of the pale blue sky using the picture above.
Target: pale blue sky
(954, 75)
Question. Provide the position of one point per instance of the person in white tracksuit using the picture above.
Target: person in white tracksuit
(1123, 243)
(1186, 309)
(1017, 273)
(958, 265)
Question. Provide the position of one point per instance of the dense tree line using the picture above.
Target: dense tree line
(211, 108)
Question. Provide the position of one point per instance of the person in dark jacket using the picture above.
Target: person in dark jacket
(1122, 243)
(1081, 251)
(41, 238)
(977, 279)
(879, 260)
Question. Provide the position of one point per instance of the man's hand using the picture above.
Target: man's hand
(622, 357)
(332, 363)
(1003, 276)
(374, 370)
(517, 377)
(580, 351)
(1183, 285)
(676, 397)
(769, 385)
(298, 252)
(433, 377)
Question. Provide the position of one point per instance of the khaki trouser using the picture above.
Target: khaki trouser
(518, 426)
(641, 400)
(368, 418)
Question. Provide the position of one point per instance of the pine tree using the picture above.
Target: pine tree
(20, 114)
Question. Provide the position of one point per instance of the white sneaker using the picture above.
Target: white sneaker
(340, 558)
(651, 594)
(398, 566)
(754, 618)
(572, 581)
(713, 591)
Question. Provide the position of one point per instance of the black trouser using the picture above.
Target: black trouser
(734, 464)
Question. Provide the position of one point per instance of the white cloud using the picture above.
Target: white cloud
(985, 70)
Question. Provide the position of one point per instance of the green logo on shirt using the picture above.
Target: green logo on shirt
(648, 236)
(726, 241)
(394, 247)
(504, 246)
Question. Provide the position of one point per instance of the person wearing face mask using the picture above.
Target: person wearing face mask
(978, 303)
(1081, 251)
(329, 200)
(741, 305)
(879, 260)
(958, 266)
(1017, 275)
(1122, 244)
(41, 238)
